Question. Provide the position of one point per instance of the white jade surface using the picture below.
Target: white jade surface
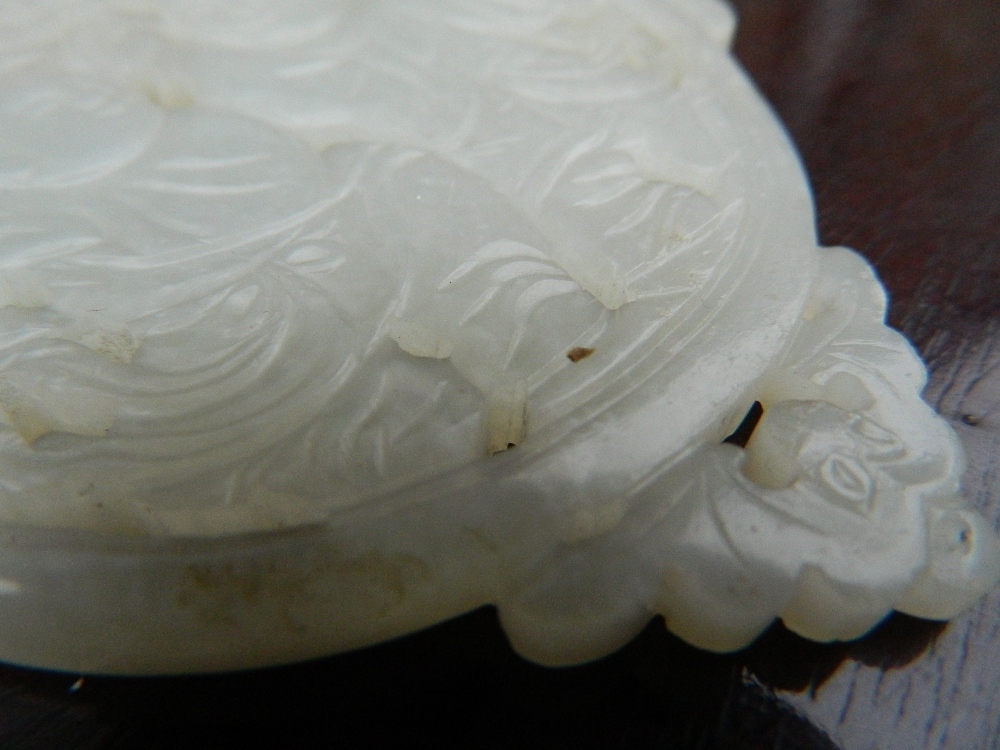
(287, 294)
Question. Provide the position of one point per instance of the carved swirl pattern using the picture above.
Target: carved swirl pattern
(204, 249)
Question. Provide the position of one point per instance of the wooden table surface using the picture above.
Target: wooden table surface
(895, 105)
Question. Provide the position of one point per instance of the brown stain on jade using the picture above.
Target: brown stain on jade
(579, 352)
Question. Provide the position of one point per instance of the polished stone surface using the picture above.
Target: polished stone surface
(896, 109)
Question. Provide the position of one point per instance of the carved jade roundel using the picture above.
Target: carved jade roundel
(322, 321)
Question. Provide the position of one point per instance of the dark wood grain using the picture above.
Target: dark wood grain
(895, 106)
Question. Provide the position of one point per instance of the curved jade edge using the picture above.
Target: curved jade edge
(844, 506)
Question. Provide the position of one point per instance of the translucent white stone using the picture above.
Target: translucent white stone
(321, 322)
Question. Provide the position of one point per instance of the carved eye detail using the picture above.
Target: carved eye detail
(878, 441)
(845, 481)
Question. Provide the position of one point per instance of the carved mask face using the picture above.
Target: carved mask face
(842, 457)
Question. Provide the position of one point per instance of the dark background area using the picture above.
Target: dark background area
(895, 106)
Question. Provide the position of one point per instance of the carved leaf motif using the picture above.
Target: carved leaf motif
(191, 351)
(847, 482)
(518, 281)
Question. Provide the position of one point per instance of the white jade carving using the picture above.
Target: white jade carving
(321, 322)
